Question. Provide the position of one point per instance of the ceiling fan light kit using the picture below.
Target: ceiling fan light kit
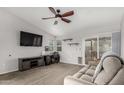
(58, 15)
(56, 22)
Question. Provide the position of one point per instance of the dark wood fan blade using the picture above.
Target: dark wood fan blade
(48, 18)
(66, 20)
(70, 13)
(52, 10)
(56, 22)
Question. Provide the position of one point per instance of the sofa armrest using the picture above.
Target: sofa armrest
(69, 80)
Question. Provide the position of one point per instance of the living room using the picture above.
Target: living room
(63, 47)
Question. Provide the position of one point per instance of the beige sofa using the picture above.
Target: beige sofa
(110, 71)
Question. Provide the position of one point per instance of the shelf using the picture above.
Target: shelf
(69, 39)
(73, 44)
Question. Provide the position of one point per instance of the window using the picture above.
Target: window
(59, 45)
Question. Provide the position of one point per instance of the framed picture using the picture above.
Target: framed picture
(48, 48)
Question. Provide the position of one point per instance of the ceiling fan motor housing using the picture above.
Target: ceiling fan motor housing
(58, 10)
(58, 15)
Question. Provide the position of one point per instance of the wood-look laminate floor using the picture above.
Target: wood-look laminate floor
(48, 75)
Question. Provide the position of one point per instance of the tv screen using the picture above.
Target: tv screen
(30, 39)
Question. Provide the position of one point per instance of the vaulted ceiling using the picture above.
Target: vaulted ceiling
(84, 17)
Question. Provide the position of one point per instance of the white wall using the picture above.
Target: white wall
(116, 43)
(70, 54)
(10, 27)
(122, 38)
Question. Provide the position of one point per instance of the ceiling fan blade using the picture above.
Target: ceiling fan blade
(70, 13)
(48, 18)
(56, 22)
(66, 20)
(52, 10)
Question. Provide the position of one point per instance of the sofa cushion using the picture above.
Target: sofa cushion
(78, 75)
(84, 69)
(119, 78)
(86, 73)
(69, 80)
(81, 72)
(90, 72)
(86, 77)
(111, 65)
(93, 67)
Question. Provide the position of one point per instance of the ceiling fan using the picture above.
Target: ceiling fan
(58, 15)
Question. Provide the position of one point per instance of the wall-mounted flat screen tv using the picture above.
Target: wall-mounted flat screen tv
(30, 39)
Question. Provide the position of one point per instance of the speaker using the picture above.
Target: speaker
(47, 59)
(55, 57)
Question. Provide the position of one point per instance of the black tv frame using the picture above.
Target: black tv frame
(34, 35)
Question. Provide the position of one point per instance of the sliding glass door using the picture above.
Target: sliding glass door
(95, 47)
(90, 50)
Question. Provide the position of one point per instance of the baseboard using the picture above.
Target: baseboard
(7, 72)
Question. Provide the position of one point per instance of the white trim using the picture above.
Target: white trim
(97, 47)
